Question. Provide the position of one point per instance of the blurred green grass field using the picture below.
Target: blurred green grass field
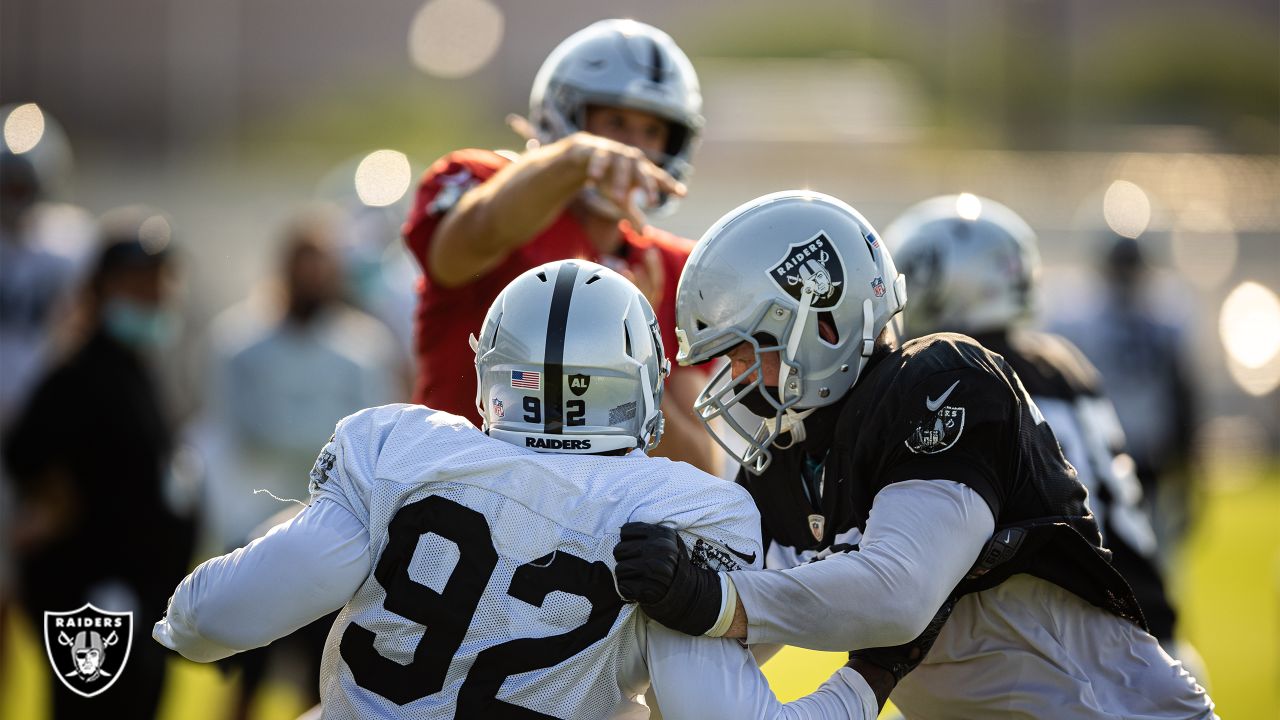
(1229, 589)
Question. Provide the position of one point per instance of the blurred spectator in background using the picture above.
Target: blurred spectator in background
(1146, 372)
(36, 280)
(281, 373)
(43, 248)
(615, 110)
(972, 267)
(89, 455)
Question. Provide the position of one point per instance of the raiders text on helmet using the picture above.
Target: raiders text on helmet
(768, 274)
(620, 63)
(570, 360)
(971, 262)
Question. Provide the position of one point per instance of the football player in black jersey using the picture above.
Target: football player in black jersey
(923, 476)
(974, 265)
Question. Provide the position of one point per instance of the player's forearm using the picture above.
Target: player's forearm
(299, 572)
(685, 439)
(701, 677)
(923, 536)
(880, 681)
(519, 201)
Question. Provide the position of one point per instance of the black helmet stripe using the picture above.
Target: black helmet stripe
(656, 69)
(553, 356)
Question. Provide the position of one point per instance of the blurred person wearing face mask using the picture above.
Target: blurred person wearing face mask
(90, 454)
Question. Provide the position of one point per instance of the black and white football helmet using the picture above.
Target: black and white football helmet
(570, 360)
(972, 264)
(769, 273)
(620, 63)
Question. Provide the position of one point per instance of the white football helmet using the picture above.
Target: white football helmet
(768, 274)
(620, 63)
(570, 360)
(972, 264)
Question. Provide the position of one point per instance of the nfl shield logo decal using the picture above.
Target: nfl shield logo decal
(811, 267)
(88, 648)
(817, 526)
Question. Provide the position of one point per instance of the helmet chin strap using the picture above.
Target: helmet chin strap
(786, 368)
(791, 422)
(868, 325)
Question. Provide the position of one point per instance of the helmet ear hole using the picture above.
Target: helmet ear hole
(827, 330)
(626, 334)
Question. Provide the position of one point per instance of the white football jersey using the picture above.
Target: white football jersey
(492, 581)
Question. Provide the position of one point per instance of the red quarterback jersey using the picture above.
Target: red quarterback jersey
(447, 315)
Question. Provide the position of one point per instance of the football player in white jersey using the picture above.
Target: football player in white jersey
(474, 569)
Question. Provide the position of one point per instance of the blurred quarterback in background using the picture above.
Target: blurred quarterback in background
(614, 114)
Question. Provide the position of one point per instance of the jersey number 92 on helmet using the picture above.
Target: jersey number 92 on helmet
(570, 360)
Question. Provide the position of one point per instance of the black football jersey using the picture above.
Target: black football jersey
(943, 407)
(1052, 368)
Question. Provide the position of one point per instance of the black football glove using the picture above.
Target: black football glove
(654, 570)
(902, 659)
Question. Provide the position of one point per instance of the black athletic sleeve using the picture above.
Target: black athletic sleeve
(954, 425)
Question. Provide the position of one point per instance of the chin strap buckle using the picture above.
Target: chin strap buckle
(868, 322)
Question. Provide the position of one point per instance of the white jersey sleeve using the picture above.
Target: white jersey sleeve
(701, 677)
(300, 571)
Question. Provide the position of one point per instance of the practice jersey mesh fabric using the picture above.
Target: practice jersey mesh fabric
(443, 503)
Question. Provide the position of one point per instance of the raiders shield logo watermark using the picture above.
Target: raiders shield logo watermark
(812, 267)
(88, 648)
(578, 384)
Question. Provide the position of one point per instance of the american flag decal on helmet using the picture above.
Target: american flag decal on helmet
(526, 380)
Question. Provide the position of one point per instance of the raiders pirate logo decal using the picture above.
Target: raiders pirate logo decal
(578, 384)
(88, 648)
(319, 474)
(811, 267)
(940, 429)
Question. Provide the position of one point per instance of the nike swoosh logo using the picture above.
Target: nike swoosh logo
(748, 559)
(933, 405)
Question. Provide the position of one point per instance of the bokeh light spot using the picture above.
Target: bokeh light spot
(1250, 325)
(24, 128)
(382, 178)
(1127, 209)
(455, 38)
(968, 206)
(155, 233)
